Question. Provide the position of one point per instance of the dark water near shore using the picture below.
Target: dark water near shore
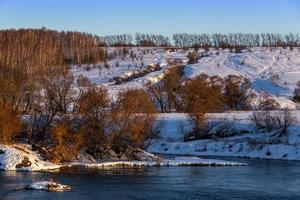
(263, 179)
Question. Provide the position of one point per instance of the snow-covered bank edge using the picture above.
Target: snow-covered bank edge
(225, 149)
(20, 157)
(177, 161)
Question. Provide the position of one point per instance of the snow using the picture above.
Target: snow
(48, 186)
(146, 159)
(249, 143)
(126, 66)
(19, 157)
(268, 87)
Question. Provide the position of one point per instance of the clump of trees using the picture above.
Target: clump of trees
(198, 98)
(132, 119)
(236, 92)
(164, 94)
(66, 143)
(65, 121)
(93, 110)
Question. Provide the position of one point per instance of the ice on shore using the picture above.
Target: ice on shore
(177, 161)
(48, 186)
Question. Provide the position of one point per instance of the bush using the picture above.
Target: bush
(94, 115)
(267, 104)
(164, 94)
(132, 119)
(66, 143)
(278, 121)
(54, 101)
(221, 128)
(236, 92)
(263, 120)
(192, 56)
(83, 81)
(199, 98)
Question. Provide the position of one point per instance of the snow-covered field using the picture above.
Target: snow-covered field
(249, 142)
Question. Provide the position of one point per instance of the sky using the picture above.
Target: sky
(106, 17)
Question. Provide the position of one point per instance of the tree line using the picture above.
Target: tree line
(216, 40)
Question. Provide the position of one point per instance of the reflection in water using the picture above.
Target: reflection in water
(262, 179)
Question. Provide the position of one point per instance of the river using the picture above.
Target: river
(262, 179)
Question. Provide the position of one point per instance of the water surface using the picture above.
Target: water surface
(263, 179)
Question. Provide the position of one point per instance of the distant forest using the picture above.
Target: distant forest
(33, 53)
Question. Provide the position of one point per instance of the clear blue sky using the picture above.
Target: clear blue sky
(104, 17)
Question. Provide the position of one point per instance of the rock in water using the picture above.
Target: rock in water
(48, 186)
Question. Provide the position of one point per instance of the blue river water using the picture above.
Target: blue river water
(262, 179)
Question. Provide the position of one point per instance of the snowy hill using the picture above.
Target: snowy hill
(273, 72)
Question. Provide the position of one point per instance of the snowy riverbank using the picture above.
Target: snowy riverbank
(19, 157)
(247, 143)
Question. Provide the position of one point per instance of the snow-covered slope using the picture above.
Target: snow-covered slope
(20, 157)
(258, 63)
(274, 72)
